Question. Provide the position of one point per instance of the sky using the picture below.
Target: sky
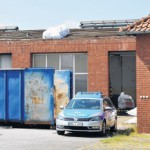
(42, 14)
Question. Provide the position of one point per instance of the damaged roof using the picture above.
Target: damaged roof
(74, 34)
(140, 26)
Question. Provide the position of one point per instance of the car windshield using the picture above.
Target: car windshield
(83, 104)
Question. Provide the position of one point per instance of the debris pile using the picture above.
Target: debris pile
(58, 32)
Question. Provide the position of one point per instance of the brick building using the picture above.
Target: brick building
(99, 58)
(141, 29)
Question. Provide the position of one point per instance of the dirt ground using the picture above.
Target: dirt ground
(121, 119)
(123, 141)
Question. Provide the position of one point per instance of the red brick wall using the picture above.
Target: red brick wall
(143, 82)
(97, 49)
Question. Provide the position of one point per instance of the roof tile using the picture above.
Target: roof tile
(148, 29)
(141, 25)
(143, 29)
(148, 26)
(144, 25)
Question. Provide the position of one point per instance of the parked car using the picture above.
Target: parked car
(87, 112)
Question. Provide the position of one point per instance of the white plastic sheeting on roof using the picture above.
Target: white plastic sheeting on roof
(58, 32)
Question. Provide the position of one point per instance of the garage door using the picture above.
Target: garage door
(122, 72)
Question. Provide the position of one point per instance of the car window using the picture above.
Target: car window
(110, 102)
(107, 103)
(84, 104)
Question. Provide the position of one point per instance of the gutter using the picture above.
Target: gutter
(135, 32)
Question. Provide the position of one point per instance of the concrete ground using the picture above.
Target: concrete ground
(43, 139)
(46, 139)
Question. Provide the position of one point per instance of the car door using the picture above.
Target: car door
(109, 113)
(113, 112)
(106, 112)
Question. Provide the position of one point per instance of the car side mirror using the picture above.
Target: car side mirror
(61, 107)
(108, 108)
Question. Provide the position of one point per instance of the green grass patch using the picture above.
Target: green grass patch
(127, 139)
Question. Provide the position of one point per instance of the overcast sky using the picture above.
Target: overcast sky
(41, 14)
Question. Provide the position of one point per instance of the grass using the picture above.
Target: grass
(127, 139)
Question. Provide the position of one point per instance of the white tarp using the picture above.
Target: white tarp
(58, 32)
(132, 112)
(132, 121)
(125, 101)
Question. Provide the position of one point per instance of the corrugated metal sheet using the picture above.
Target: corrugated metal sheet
(39, 102)
(14, 84)
(10, 95)
(2, 96)
(63, 89)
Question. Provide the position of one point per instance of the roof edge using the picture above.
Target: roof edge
(136, 32)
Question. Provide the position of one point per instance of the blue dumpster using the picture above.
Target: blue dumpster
(26, 96)
(38, 96)
(2, 96)
(11, 99)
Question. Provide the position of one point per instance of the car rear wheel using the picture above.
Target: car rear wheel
(60, 132)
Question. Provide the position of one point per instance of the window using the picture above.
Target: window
(80, 63)
(5, 61)
(83, 104)
(81, 83)
(53, 61)
(76, 62)
(39, 60)
(67, 62)
(108, 103)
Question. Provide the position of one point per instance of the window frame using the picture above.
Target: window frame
(60, 65)
(6, 54)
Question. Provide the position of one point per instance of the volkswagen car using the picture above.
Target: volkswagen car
(87, 112)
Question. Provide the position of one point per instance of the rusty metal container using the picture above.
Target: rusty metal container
(38, 96)
(63, 89)
(26, 96)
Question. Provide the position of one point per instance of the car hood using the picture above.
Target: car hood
(81, 113)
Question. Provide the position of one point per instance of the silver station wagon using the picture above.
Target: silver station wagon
(87, 112)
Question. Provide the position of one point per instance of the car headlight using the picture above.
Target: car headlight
(60, 117)
(95, 118)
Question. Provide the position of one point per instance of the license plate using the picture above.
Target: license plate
(75, 124)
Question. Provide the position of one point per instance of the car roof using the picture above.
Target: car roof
(84, 95)
(87, 98)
